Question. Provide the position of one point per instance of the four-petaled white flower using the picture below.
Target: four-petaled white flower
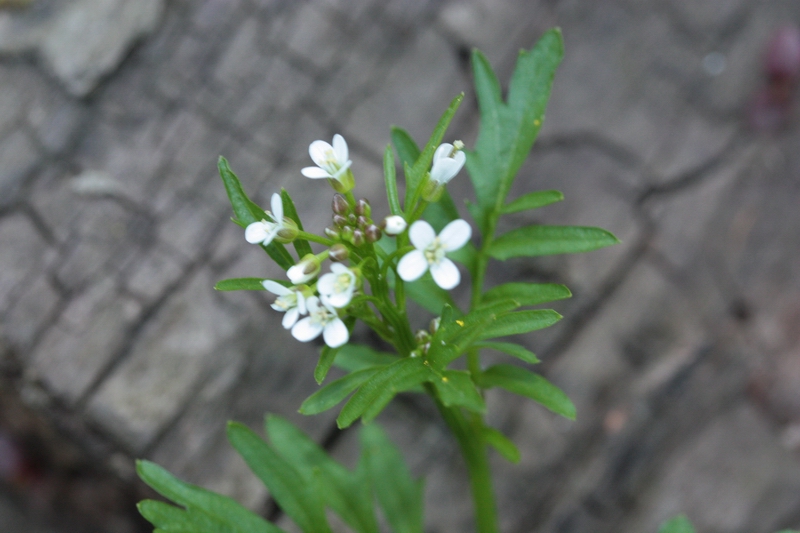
(289, 301)
(264, 231)
(448, 160)
(332, 161)
(430, 250)
(337, 286)
(322, 318)
(306, 270)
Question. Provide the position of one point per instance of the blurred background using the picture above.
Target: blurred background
(673, 123)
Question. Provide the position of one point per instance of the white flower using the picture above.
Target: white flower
(430, 251)
(264, 231)
(394, 225)
(321, 319)
(337, 286)
(289, 301)
(331, 161)
(448, 160)
(306, 270)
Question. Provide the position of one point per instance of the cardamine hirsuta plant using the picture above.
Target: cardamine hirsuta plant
(367, 267)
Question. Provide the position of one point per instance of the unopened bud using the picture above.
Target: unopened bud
(363, 208)
(394, 225)
(358, 238)
(373, 233)
(351, 219)
(434, 325)
(339, 253)
(422, 336)
(306, 270)
(339, 221)
(347, 233)
(340, 205)
(288, 231)
(362, 221)
(332, 233)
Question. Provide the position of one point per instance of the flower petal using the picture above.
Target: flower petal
(335, 333)
(275, 288)
(256, 232)
(340, 148)
(338, 268)
(315, 173)
(421, 234)
(445, 274)
(326, 283)
(339, 299)
(306, 330)
(412, 265)
(290, 318)
(444, 150)
(455, 235)
(301, 303)
(277, 208)
(320, 152)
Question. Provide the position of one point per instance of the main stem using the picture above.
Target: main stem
(469, 433)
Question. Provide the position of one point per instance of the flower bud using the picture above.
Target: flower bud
(340, 205)
(332, 233)
(347, 233)
(363, 208)
(306, 270)
(434, 325)
(362, 222)
(373, 233)
(394, 225)
(339, 221)
(288, 231)
(422, 336)
(351, 219)
(339, 253)
(358, 238)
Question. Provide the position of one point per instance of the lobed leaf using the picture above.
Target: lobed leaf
(298, 499)
(220, 509)
(520, 322)
(334, 392)
(508, 129)
(387, 382)
(455, 387)
(532, 241)
(533, 200)
(537, 388)
(399, 495)
(527, 293)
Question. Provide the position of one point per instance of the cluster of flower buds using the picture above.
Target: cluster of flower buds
(352, 225)
(423, 338)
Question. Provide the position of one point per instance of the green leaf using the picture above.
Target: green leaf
(171, 519)
(221, 508)
(248, 212)
(511, 349)
(532, 241)
(520, 322)
(326, 358)
(353, 357)
(508, 130)
(399, 495)
(422, 165)
(679, 524)
(527, 293)
(455, 387)
(533, 200)
(390, 177)
(298, 499)
(428, 294)
(301, 246)
(388, 381)
(520, 381)
(339, 488)
(335, 391)
(502, 444)
(240, 284)
(406, 148)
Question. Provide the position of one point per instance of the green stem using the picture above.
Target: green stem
(469, 433)
(314, 238)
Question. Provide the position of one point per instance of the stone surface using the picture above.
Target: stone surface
(680, 346)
